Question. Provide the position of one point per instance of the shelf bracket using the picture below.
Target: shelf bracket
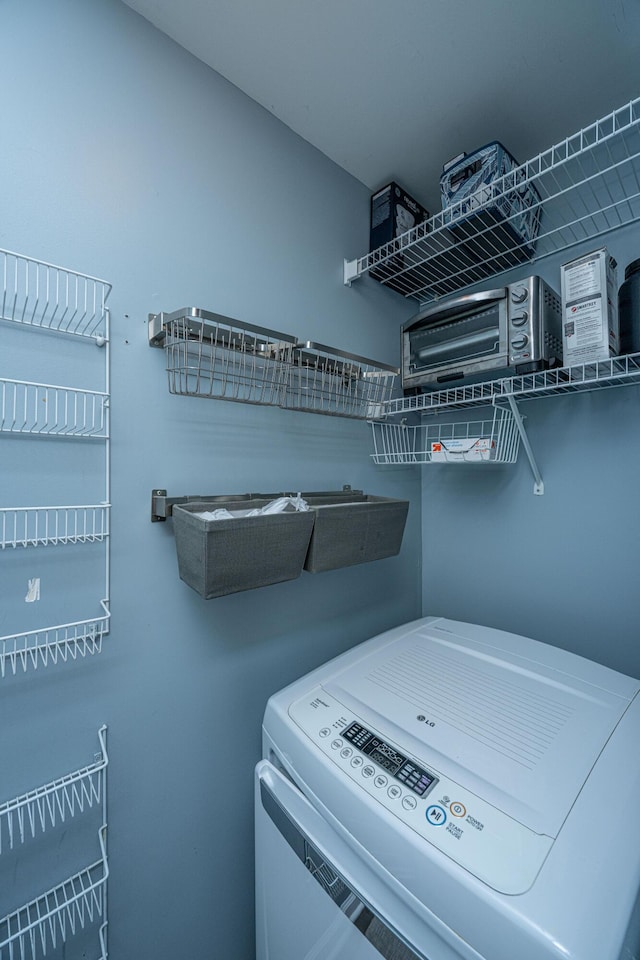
(538, 486)
(350, 272)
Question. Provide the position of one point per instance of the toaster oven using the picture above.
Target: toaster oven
(515, 329)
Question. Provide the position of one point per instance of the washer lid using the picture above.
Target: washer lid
(518, 723)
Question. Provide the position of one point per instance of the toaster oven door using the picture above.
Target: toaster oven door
(456, 340)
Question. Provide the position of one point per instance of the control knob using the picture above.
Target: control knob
(519, 342)
(520, 320)
(519, 296)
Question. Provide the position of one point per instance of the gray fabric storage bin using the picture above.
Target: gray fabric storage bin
(217, 557)
(354, 530)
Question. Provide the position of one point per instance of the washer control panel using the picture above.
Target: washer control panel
(414, 777)
(478, 836)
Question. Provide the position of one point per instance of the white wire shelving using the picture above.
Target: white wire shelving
(53, 644)
(44, 526)
(54, 411)
(494, 439)
(53, 298)
(598, 375)
(45, 298)
(588, 184)
(401, 443)
(79, 901)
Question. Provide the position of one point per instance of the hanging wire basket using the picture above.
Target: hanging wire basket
(492, 440)
(212, 356)
(322, 379)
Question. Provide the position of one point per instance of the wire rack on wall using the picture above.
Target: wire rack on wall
(42, 526)
(48, 410)
(68, 310)
(55, 644)
(43, 295)
(586, 185)
(494, 439)
(215, 357)
(321, 379)
(78, 902)
(211, 356)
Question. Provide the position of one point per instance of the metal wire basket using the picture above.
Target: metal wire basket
(493, 440)
(322, 379)
(209, 355)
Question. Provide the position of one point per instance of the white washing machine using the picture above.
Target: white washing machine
(447, 791)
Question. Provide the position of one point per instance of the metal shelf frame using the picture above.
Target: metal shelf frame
(216, 357)
(509, 391)
(54, 300)
(589, 185)
(55, 916)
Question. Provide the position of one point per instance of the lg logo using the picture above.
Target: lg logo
(422, 719)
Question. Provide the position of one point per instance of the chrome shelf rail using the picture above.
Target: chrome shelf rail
(212, 356)
(54, 917)
(589, 185)
(43, 526)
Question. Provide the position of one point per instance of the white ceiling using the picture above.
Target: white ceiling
(390, 91)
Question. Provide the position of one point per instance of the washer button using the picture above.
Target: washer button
(394, 791)
(346, 753)
(336, 744)
(325, 732)
(368, 771)
(409, 802)
(381, 780)
(356, 762)
(436, 815)
(458, 809)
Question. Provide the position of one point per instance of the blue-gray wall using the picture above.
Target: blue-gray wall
(125, 158)
(562, 567)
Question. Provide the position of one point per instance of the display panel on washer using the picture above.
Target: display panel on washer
(399, 766)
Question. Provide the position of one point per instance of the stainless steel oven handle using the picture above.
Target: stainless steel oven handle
(370, 924)
(450, 308)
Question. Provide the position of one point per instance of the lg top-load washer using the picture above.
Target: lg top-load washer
(448, 791)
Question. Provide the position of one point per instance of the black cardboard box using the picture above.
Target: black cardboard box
(393, 212)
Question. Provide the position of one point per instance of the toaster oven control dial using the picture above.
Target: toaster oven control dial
(520, 319)
(519, 342)
(519, 296)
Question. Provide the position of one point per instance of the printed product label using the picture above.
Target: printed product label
(584, 324)
(583, 280)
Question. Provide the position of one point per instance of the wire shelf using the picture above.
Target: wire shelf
(324, 380)
(43, 295)
(588, 185)
(492, 440)
(54, 803)
(80, 901)
(212, 356)
(44, 526)
(68, 641)
(55, 916)
(222, 359)
(46, 299)
(598, 375)
(48, 410)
